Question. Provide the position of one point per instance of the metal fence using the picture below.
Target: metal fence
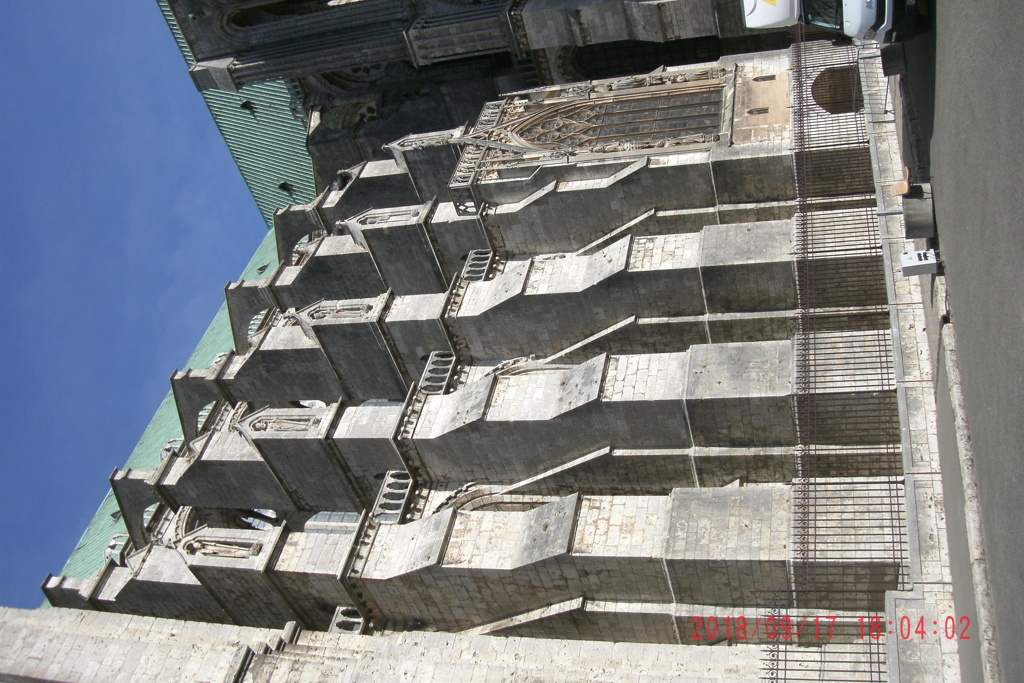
(848, 524)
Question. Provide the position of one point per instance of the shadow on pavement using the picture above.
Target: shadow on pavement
(917, 88)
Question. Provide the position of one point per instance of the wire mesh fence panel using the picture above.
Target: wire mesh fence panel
(848, 523)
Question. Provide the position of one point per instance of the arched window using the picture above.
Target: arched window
(643, 121)
(837, 90)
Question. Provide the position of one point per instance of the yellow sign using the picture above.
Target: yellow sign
(773, 3)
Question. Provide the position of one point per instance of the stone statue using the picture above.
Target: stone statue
(283, 424)
(222, 548)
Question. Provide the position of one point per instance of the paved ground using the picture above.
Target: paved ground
(966, 79)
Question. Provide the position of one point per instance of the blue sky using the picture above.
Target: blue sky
(122, 216)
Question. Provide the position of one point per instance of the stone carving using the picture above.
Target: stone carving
(490, 114)
(590, 118)
(575, 90)
(222, 548)
(508, 366)
(115, 548)
(513, 110)
(631, 82)
(413, 142)
(389, 216)
(682, 140)
(284, 424)
(337, 310)
(171, 448)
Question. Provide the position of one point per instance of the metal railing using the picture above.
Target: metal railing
(848, 534)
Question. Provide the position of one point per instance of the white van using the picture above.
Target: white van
(879, 20)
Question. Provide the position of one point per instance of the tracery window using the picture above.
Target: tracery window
(661, 112)
(691, 113)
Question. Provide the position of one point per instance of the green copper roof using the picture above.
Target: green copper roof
(268, 143)
(179, 38)
(87, 556)
(266, 136)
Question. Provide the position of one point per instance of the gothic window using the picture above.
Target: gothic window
(658, 119)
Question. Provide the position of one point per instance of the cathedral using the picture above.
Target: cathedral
(549, 368)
